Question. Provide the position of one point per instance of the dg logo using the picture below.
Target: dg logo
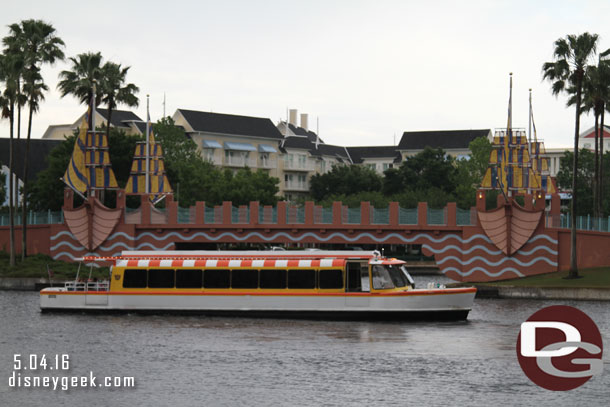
(560, 348)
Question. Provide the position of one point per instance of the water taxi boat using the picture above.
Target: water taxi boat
(294, 284)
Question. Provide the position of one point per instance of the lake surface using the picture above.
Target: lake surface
(204, 361)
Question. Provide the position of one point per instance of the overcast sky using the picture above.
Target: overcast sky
(368, 70)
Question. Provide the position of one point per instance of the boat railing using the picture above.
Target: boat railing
(87, 286)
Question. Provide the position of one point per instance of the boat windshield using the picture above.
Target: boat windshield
(388, 276)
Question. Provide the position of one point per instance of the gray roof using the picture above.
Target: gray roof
(418, 140)
(39, 150)
(119, 117)
(231, 124)
(300, 131)
(358, 154)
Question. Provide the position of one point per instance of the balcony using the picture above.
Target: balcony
(295, 186)
(213, 160)
(239, 162)
(267, 164)
(299, 166)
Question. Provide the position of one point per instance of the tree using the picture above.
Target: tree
(431, 168)
(11, 65)
(86, 70)
(344, 179)
(470, 172)
(114, 89)
(566, 72)
(2, 189)
(38, 44)
(584, 178)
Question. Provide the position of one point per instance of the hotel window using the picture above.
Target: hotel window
(372, 166)
(208, 154)
(323, 166)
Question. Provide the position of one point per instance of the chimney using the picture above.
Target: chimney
(293, 117)
(304, 121)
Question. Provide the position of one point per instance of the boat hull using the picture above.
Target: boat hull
(442, 304)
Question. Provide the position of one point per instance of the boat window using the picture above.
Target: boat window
(189, 278)
(331, 278)
(381, 278)
(216, 278)
(244, 278)
(273, 278)
(364, 278)
(134, 278)
(302, 278)
(398, 277)
(160, 278)
(354, 283)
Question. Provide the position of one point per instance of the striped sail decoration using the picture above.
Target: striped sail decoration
(90, 168)
(515, 164)
(159, 185)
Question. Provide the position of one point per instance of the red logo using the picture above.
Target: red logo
(560, 348)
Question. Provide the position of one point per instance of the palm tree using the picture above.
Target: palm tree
(115, 90)
(592, 100)
(603, 67)
(10, 66)
(86, 69)
(38, 44)
(566, 72)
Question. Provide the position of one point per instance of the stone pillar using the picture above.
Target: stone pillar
(365, 213)
(555, 204)
(394, 209)
(422, 214)
(451, 214)
(480, 205)
(145, 207)
(227, 209)
(68, 199)
(540, 202)
(281, 212)
(172, 212)
(309, 213)
(337, 215)
(254, 208)
(199, 213)
(121, 199)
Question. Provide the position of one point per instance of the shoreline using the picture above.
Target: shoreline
(543, 293)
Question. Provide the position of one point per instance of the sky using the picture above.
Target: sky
(364, 71)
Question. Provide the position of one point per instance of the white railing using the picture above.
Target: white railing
(213, 160)
(299, 166)
(87, 286)
(296, 186)
(267, 163)
(240, 162)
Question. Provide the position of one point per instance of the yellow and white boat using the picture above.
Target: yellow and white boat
(295, 284)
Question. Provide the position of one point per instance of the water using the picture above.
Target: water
(203, 361)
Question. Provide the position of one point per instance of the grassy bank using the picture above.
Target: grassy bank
(590, 278)
(36, 266)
